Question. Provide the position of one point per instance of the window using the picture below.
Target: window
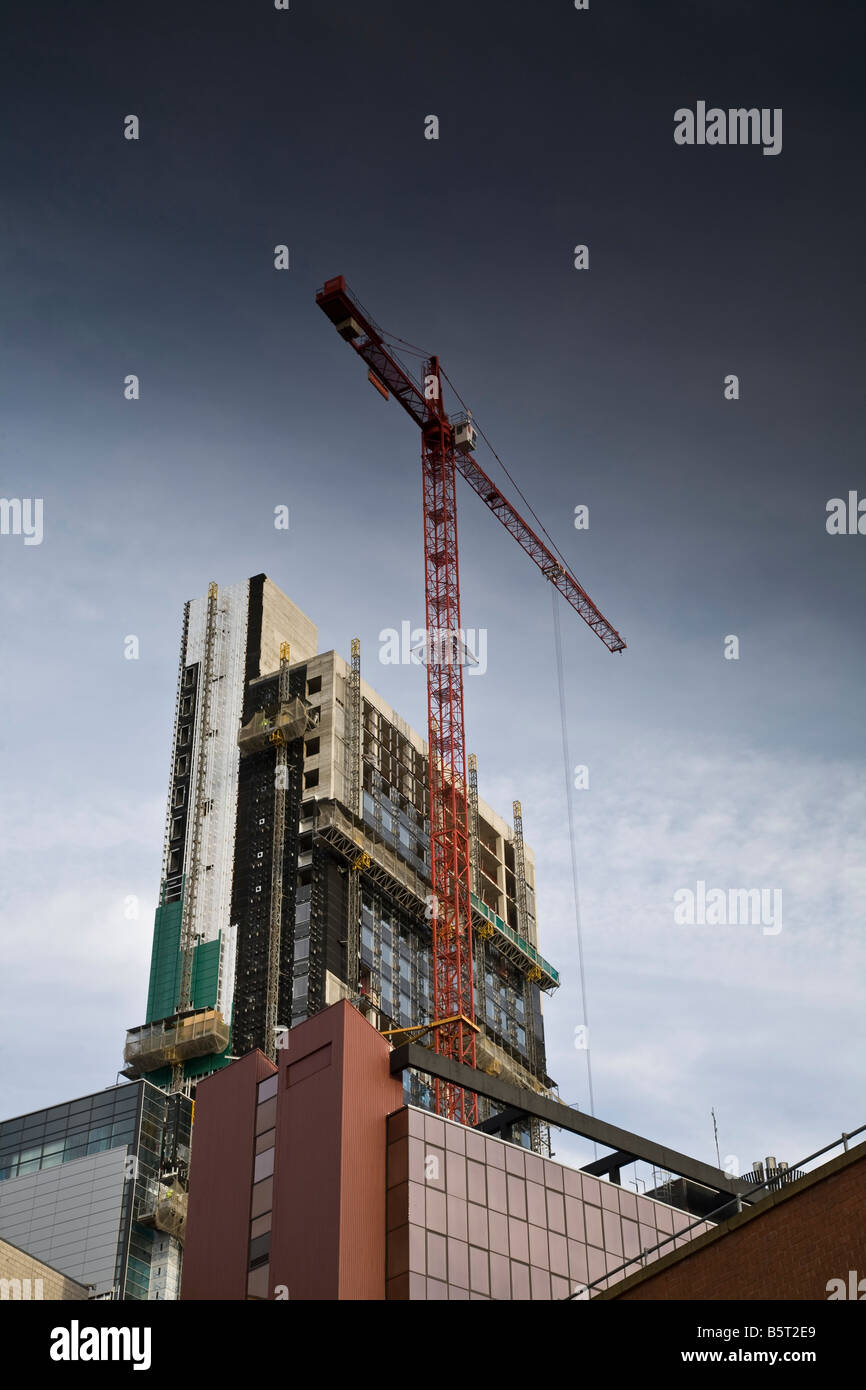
(312, 747)
(183, 739)
(311, 779)
(179, 796)
(263, 1196)
(259, 1249)
(189, 677)
(181, 765)
(174, 861)
(267, 1088)
(266, 1140)
(186, 705)
(314, 686)
(176, 827)
(264, 1165)
(266, 1116)
(258, 1282)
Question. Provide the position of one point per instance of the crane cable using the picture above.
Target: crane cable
(572, 842)
(513, 482)
(422, 352)
(565, 752)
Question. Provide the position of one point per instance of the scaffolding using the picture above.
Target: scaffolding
(290, 720)
(164, 1207)
(517, 948)
(172, 882)
(484, 930)
(395, 973)
(172, 1041)
(522, 929)
(480, 932)
(375, 832)
(540, 1133)
(275, 927)
(353, 805)
(258, 835)
(194, 867)
(507, 958)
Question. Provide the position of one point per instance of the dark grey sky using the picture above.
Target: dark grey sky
(602, 387)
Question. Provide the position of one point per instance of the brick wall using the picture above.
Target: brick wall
(16, 1264)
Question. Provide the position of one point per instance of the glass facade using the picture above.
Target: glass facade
(258, 1263)
(504, 1006)
(78, 1183)
(399, 959)
(396, 948)
(402, 827)
(48, 1138)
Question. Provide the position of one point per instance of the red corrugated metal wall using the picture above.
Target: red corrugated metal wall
(221, 1166)
(335, 1093)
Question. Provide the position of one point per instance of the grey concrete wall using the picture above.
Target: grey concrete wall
(69, 1216)
(283, 621)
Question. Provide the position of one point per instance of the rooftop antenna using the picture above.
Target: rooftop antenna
(716, 1136)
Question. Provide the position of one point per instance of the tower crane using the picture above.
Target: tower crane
(446, 449)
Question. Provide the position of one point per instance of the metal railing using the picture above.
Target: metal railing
(515, 938)
(776, 1180)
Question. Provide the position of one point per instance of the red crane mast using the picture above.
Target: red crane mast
(446, 449)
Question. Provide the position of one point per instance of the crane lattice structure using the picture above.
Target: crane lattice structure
(446, 448)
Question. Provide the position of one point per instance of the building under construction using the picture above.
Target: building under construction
(297, 870)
